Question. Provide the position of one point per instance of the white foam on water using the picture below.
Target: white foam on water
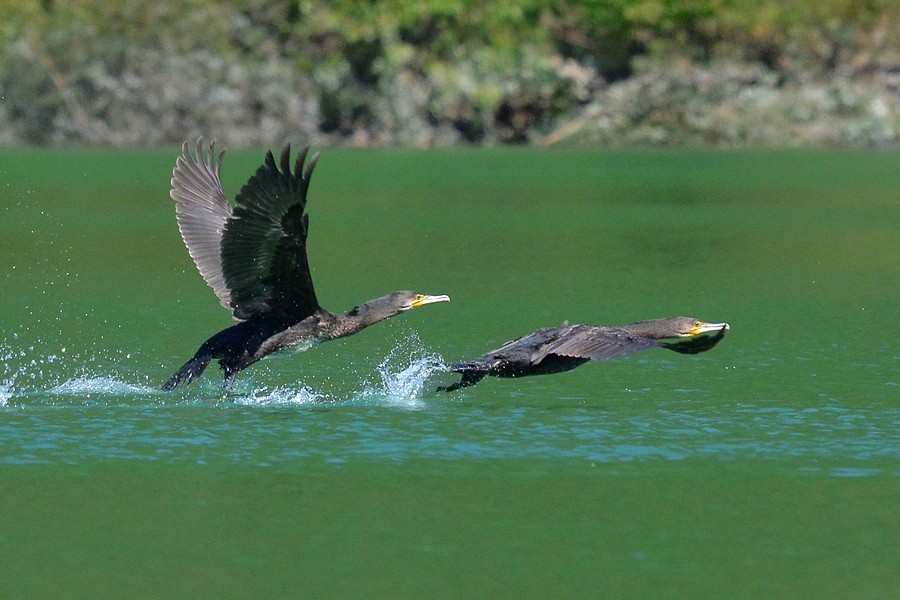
(29, 373)
(6, 386)
(102, 385)
(403, 375)
(280, 396)
(400, 380)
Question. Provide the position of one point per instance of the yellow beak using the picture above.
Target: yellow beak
(423, 299)
(700, 328)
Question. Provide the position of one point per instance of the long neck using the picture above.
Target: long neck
(359, 318)
(647, 329)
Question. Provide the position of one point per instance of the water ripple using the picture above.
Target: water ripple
(394, 415)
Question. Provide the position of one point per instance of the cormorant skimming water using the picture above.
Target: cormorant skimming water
(253, 256)
(557, 349)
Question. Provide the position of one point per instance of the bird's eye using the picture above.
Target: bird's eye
(419, 297)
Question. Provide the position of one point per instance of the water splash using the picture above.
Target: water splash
(9, 372)
(103, 385)
(408, 383)
(280, 396)
(399, 380)
(403, 374)
(35, 371)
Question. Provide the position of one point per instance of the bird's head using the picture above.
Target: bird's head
(691, 327)
(674, 328)
(689, 335)
(407, 299)
(393, 304)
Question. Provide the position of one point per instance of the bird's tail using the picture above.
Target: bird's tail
(472, 372)
(468, 367)
(190, 370)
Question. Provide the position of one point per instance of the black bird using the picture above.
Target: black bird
(557, 349)
(253, 256)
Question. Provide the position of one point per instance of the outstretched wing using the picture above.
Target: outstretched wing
(595, 343)
(264, 243)
(202, 211)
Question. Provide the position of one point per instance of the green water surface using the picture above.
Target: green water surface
(765, 468)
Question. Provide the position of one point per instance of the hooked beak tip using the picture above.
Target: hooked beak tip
(429, 300)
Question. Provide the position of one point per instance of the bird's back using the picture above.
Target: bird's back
(513, 358)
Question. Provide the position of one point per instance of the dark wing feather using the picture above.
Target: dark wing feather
(534, 339)
(596, 343)
(202, 211)
(264, 245)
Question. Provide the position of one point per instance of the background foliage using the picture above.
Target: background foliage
(427, 72)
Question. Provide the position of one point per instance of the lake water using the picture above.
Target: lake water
(767, 467)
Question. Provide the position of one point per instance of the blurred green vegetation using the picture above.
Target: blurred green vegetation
(394, 71)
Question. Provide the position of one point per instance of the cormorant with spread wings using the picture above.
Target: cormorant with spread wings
(253, 256)
(557, 349)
